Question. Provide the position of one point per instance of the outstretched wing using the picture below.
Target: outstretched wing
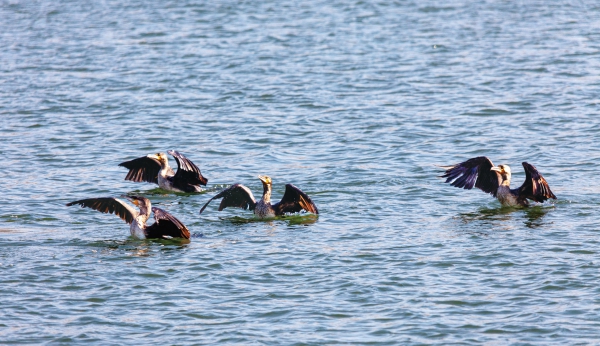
(187, 173)
(109, 205)
(475, 172)
(166, 225)
(535, 186)
(237, 196)
(293, 201)
(142, 169)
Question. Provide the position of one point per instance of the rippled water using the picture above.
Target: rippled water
(355, 102)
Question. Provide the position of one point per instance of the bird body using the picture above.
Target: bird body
(165, 178)
(238, 195)
(155, 168)
(138, 227)
(264, 209)
(480, 172)
(508, 197)
(165, 225)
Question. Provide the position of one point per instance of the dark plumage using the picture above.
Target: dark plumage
(239, 196)
(154, 168)
(165, 225)
(481, 173)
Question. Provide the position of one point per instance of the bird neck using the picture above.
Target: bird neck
(266, 193)
(145, 211)
(505, 180)
(164, 166)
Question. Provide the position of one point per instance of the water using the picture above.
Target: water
(355, 102)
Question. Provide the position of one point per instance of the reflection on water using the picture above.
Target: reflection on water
(296, 219)
(141, 248)
(172, 242)
(141, 251)
(535, 216)
(301, 219)
(492, 216)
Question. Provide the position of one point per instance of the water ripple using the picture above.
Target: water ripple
(357, 103)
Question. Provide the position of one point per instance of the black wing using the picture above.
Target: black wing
(474, 172)
(187, 173)
(293, 201)
(142, 169)
(166, 225)
(109, 205)
(237, 196)
(535, 186)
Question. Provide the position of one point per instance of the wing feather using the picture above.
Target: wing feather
(237, 196)
(142, 169)
(293, 201)
(535, 186)
(187, 173)
(166, 225)
(109, 205)
(475, 172)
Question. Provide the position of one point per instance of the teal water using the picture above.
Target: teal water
(355, 103)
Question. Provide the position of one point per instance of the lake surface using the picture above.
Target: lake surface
(355, 102)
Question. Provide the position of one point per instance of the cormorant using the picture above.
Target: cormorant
(239, 196)
(154, 168)
(480, 172)
(166, 225)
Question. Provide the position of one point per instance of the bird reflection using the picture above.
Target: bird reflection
(535, 216)
(489, 217)
(294, 219)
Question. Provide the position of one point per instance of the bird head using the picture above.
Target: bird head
(504, 171)
(160, 157)
(265, 179)
(141, 202)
